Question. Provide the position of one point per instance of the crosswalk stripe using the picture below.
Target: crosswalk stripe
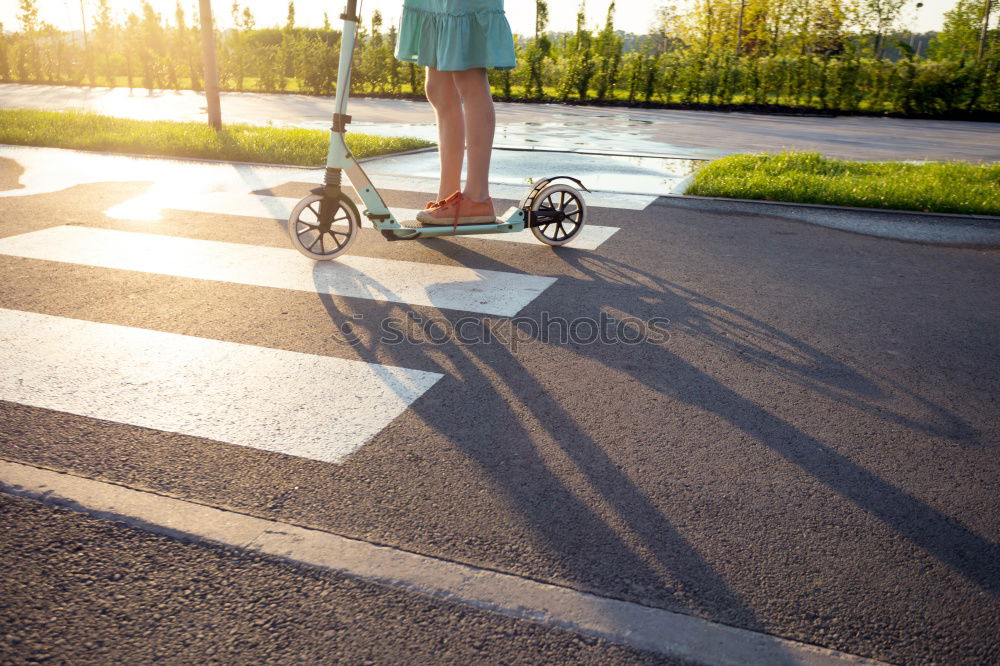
(513, 192)
(279, 208)
(447, 287)
(304, 405)
(55, 169)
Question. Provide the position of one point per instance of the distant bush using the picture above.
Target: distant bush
(830, 70)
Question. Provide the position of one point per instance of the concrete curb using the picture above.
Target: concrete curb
(652, 629)
(415, 151)
(210, 160)
(911, 226)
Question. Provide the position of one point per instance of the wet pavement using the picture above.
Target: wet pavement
(673, 133)
(619, 174)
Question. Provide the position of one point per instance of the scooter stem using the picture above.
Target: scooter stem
(346, 56)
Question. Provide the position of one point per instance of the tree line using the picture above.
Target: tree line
(838, 55)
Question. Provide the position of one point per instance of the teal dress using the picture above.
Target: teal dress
(455, 35)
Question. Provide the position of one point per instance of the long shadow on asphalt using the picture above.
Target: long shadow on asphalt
(10, 174)
(542, 498)
(660, 557)
(950, 542)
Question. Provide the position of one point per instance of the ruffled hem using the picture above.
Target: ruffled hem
(456, 40)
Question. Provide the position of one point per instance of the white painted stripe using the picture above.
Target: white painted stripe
(229, 203)
(279, 208)
(218, 203)
(507, 191)
(304, 405)
(663, 632)
(55, 169)
(441, 286)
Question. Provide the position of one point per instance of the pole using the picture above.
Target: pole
(739, 28)
(208, 58)
(86, 51)
(83, 22)
(985, 30)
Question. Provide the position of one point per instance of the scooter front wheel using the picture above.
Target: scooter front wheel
(323, 233)
(560, 212)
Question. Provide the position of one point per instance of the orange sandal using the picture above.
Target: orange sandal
(456, 210)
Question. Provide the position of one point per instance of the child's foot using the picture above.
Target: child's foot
(457, 210)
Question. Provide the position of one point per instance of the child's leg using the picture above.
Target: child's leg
(443, 96)
(480, 124)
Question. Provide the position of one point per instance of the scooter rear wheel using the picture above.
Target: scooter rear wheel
(327, 236)
(561, 212)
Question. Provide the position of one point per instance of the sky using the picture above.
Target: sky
(634, 16)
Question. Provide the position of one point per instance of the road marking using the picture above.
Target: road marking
(613, 200)
(56, 169)
(652, 629)
(317, 407)
(279, 208)
(440, 286)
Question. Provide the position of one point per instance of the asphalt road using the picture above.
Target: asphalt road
(688, 134)
(92, 592)
(809, 452)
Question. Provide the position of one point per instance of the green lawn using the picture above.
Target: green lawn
(248, 143)
(939, 187)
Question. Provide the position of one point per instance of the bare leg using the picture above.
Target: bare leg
(473, 86)
(443, 96)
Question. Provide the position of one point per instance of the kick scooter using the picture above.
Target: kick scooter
(323, 225)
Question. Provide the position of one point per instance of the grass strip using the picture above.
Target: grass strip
(244, 143)
(937, 187)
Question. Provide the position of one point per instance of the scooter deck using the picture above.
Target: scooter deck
(510, 222)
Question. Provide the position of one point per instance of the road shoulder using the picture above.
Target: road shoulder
(912, 226)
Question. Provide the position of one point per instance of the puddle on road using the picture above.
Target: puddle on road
(604, 173)
(180, 184)
(616, 135)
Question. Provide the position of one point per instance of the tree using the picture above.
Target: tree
(608, 52)
(878, 16)
(739, 26)
(377, 60)
(538, 51)
(984, 30)
(959, 37)
(207, 30)
(29, 64)
(579, 57)
(238, 52)
(28, 15)
(664, 27)
(4, 57)
(827, 35)
(395, 80)
(152, 49)
(88, 63)
(131, 39)
(104, 40)
(184, 47)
